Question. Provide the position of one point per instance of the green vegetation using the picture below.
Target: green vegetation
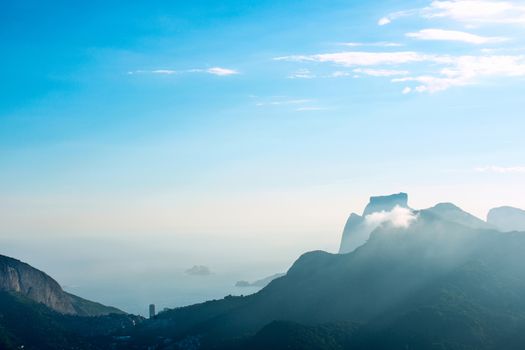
(24, 323)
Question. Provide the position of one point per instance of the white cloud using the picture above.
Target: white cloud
(501, 170)
(430, 73)
(214, 70)
(466, 70)
(378, 44)
(467, 12)
(453, 35)
(155, 71)
(221, 71)
(163, 71)
(395, 15)
(339, 74)
(298, 105)
(306, 109)
(431, 84)
(477, 11)
(496, 65)
(284, 102)
(449, 70)
(398, 217)
(384, 21)
(302, 74)
(380, 72)
(361, 58)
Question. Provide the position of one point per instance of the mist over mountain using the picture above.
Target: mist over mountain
(357, 229)
(437, 278)
(441, 280)
(507, 218)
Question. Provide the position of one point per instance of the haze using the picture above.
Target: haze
(140, 143)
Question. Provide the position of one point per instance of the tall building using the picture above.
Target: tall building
(151, 310)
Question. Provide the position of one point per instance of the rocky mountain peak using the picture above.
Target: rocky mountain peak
(386, 203)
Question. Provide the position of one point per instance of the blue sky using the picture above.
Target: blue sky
(260, 121)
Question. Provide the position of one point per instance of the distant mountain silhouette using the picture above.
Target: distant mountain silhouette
(263, 282)
(452, 213)
(507, 218)
(21, 278)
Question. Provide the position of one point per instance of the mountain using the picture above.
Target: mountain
(386, 203)
(452, 213)
(435, 284)
(284, 335)
(436, 279)
(357, 231)
(26, 324)
(507, 218)
(263, 282)
(36, 314)
(23, 279)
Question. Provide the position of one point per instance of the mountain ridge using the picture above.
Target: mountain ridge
(448, 269)
(21, 278)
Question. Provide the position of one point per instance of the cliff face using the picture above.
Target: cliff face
(386, 203)
(19, 277)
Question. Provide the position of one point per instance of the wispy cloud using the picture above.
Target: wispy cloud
(377, 44)
(431, 72)
(154, 71)
(466, 70)
(295, 104)
(163, 71)
(339, 74)
(396, 15)
(449, 70)
(384, 21)
(214, 71)
(313, 108)
(221, 71)
(477, 11)
(501, 170)
(397, 217)
(453, 35)
(431, 84)
(302, 74)
(281, 102)
(360, 58)
(380, 72)
(467, 12)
